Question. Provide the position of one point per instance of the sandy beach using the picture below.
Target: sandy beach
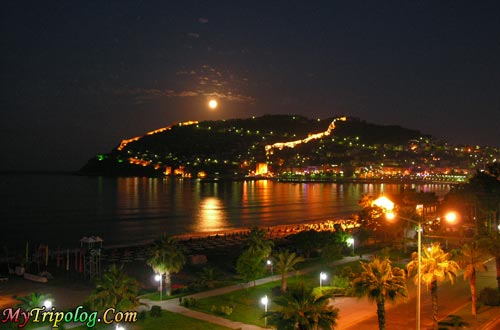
(69, 289)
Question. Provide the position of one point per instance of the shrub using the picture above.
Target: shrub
(189, 302)
(453, 321)
(141, 315)
(340, 282)
(489, 297)
(345, 271)
(222, 310)
(156, 311)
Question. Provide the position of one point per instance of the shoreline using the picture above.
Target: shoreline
(243, 178)
(273, 232)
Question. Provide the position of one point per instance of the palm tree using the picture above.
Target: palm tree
(491, 244)
(380, 282)
(34, 299)
(257, 243)
(435, 267)
(471, 260)
(208, 276)
(286, 263)
(116, 289)
(167, 257)
(300, 309)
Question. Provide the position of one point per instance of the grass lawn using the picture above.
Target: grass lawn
(246, 303)
(168, 320)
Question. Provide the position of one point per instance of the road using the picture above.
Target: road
(358, 315)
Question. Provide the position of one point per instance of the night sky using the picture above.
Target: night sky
(79, 76)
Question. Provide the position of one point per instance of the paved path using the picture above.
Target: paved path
(172, 305)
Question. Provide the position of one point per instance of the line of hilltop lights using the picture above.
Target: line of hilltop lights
(327, 171)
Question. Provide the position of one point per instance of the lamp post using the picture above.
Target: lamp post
(388, 207)
(350, 241)
(158, 278)
(269, 263)
(265, 301)
(391, 216)
(322, 277)
(47, 304)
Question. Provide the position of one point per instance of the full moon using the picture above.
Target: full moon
(212, 104)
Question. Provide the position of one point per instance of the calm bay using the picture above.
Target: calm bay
(61, 209)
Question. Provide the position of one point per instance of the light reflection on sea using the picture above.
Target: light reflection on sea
(60, 209)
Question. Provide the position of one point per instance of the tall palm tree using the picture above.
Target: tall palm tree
(491, 244)
(471, 260)
(380, 282)
(286, 263)
(300, 309)
(435, 267)
(116, 289)
(167, 257)
(257, 243)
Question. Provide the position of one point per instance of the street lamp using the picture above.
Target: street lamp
(269, 263)
(391, 216)
(265, 301)
(47, 304)
(451, 217)
(322, 277)
(388, 207)
(158, 278)
(350, 241)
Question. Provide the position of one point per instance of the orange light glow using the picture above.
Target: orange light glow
(390, 216)
(384, 203)
(451, 217)
(292, 144)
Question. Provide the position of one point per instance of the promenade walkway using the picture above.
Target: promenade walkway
(172, 305)
(358, 314)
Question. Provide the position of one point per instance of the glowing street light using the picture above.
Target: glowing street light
(119, 327)
(158, 278)
(322, 277)
(47, 303)
(350, 241)
(451, 217)
(269, 263)
(264, 301)
(384, 203)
